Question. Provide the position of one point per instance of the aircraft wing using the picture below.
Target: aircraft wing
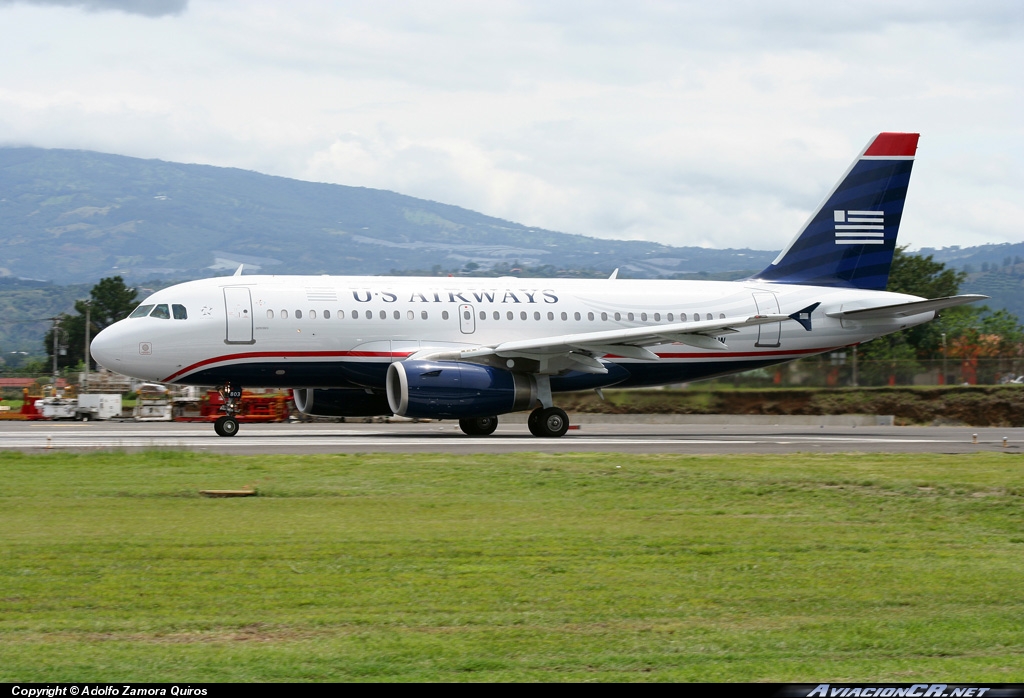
(907, 309)
(629, 342)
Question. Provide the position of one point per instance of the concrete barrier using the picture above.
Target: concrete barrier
(763, 420)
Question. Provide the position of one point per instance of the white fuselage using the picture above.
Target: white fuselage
(326, 331)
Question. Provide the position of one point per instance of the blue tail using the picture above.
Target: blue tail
(851, 238)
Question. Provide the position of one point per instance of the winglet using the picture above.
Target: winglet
(804, 316)
(238, 272)
(615, 274)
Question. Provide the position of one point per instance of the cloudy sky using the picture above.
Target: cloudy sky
(690, 123)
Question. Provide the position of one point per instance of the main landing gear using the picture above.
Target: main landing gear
(228, 425)
(479, 426)
(548, 422)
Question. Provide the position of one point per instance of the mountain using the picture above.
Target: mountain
(994, 270)
(72, 217)
(77, 216)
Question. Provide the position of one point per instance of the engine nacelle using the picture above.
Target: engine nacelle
(340, 402)
(456, 390)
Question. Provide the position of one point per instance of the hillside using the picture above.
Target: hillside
(77, 216)
(73, 217)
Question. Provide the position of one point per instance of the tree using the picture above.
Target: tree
(917, 276)
(109, 301)
(970, 332)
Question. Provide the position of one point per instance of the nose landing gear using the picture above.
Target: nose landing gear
(228, 425)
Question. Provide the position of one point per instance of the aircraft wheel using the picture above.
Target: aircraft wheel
(533, 421)
(552, 422)
(226, 426)
(479, 426)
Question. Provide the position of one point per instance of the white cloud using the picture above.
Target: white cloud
(716, 124)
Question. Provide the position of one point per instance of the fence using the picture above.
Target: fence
(837, 369)
(842, 369)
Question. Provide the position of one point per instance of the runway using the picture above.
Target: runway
(445, 437)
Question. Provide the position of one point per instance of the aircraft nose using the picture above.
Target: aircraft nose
(106, 348)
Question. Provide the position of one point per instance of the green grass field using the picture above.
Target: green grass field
(520, 567)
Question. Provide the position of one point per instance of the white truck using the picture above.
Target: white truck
(84, 407)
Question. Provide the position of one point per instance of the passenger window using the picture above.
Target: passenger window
(657, 317)
(551, 316)
(604, 316)
(576, 316)
(383, 315)
(522, 315)
(327, 315)
(284, 314)
(161, 312)
(179, 312)
(590, 316)
(423, 314)
(670, 317)
(369, 314)
(509, 315)
(721, 316)
(710, 317)
(467, 315)
(643, 316)
(270, 314)
(618, 316)
(298, 314)
(410, 315)
(141, 311)
(397, 315)
(341, 314)
(629, 316)
(536, 315)
(483, 314)
(312, 315)
(682, 317)
(444, 314)
(497, 315)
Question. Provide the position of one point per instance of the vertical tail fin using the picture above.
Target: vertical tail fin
(850, 240)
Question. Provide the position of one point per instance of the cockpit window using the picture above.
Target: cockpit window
(179, 312)
(161, 312)
(141, 311)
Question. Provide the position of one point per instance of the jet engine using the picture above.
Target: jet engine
(456, 390)
(340, 402)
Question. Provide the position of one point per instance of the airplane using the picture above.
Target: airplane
(472, 349)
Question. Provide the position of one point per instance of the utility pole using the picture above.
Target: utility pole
(56, 341)
(854, 365)
(85, 379)
(942, 379)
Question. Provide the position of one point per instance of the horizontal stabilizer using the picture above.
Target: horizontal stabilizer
(898, 310)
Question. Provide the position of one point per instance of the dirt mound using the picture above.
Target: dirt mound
(971, 405)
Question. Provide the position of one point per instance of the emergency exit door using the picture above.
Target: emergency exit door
(238, 306)
(769, 335)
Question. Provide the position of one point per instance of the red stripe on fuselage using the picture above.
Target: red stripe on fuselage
(286, 355)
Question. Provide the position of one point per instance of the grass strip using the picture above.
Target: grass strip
(521, 567)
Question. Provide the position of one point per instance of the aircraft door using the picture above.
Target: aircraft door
(769, 335)
(467, 321)
(238, 307)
